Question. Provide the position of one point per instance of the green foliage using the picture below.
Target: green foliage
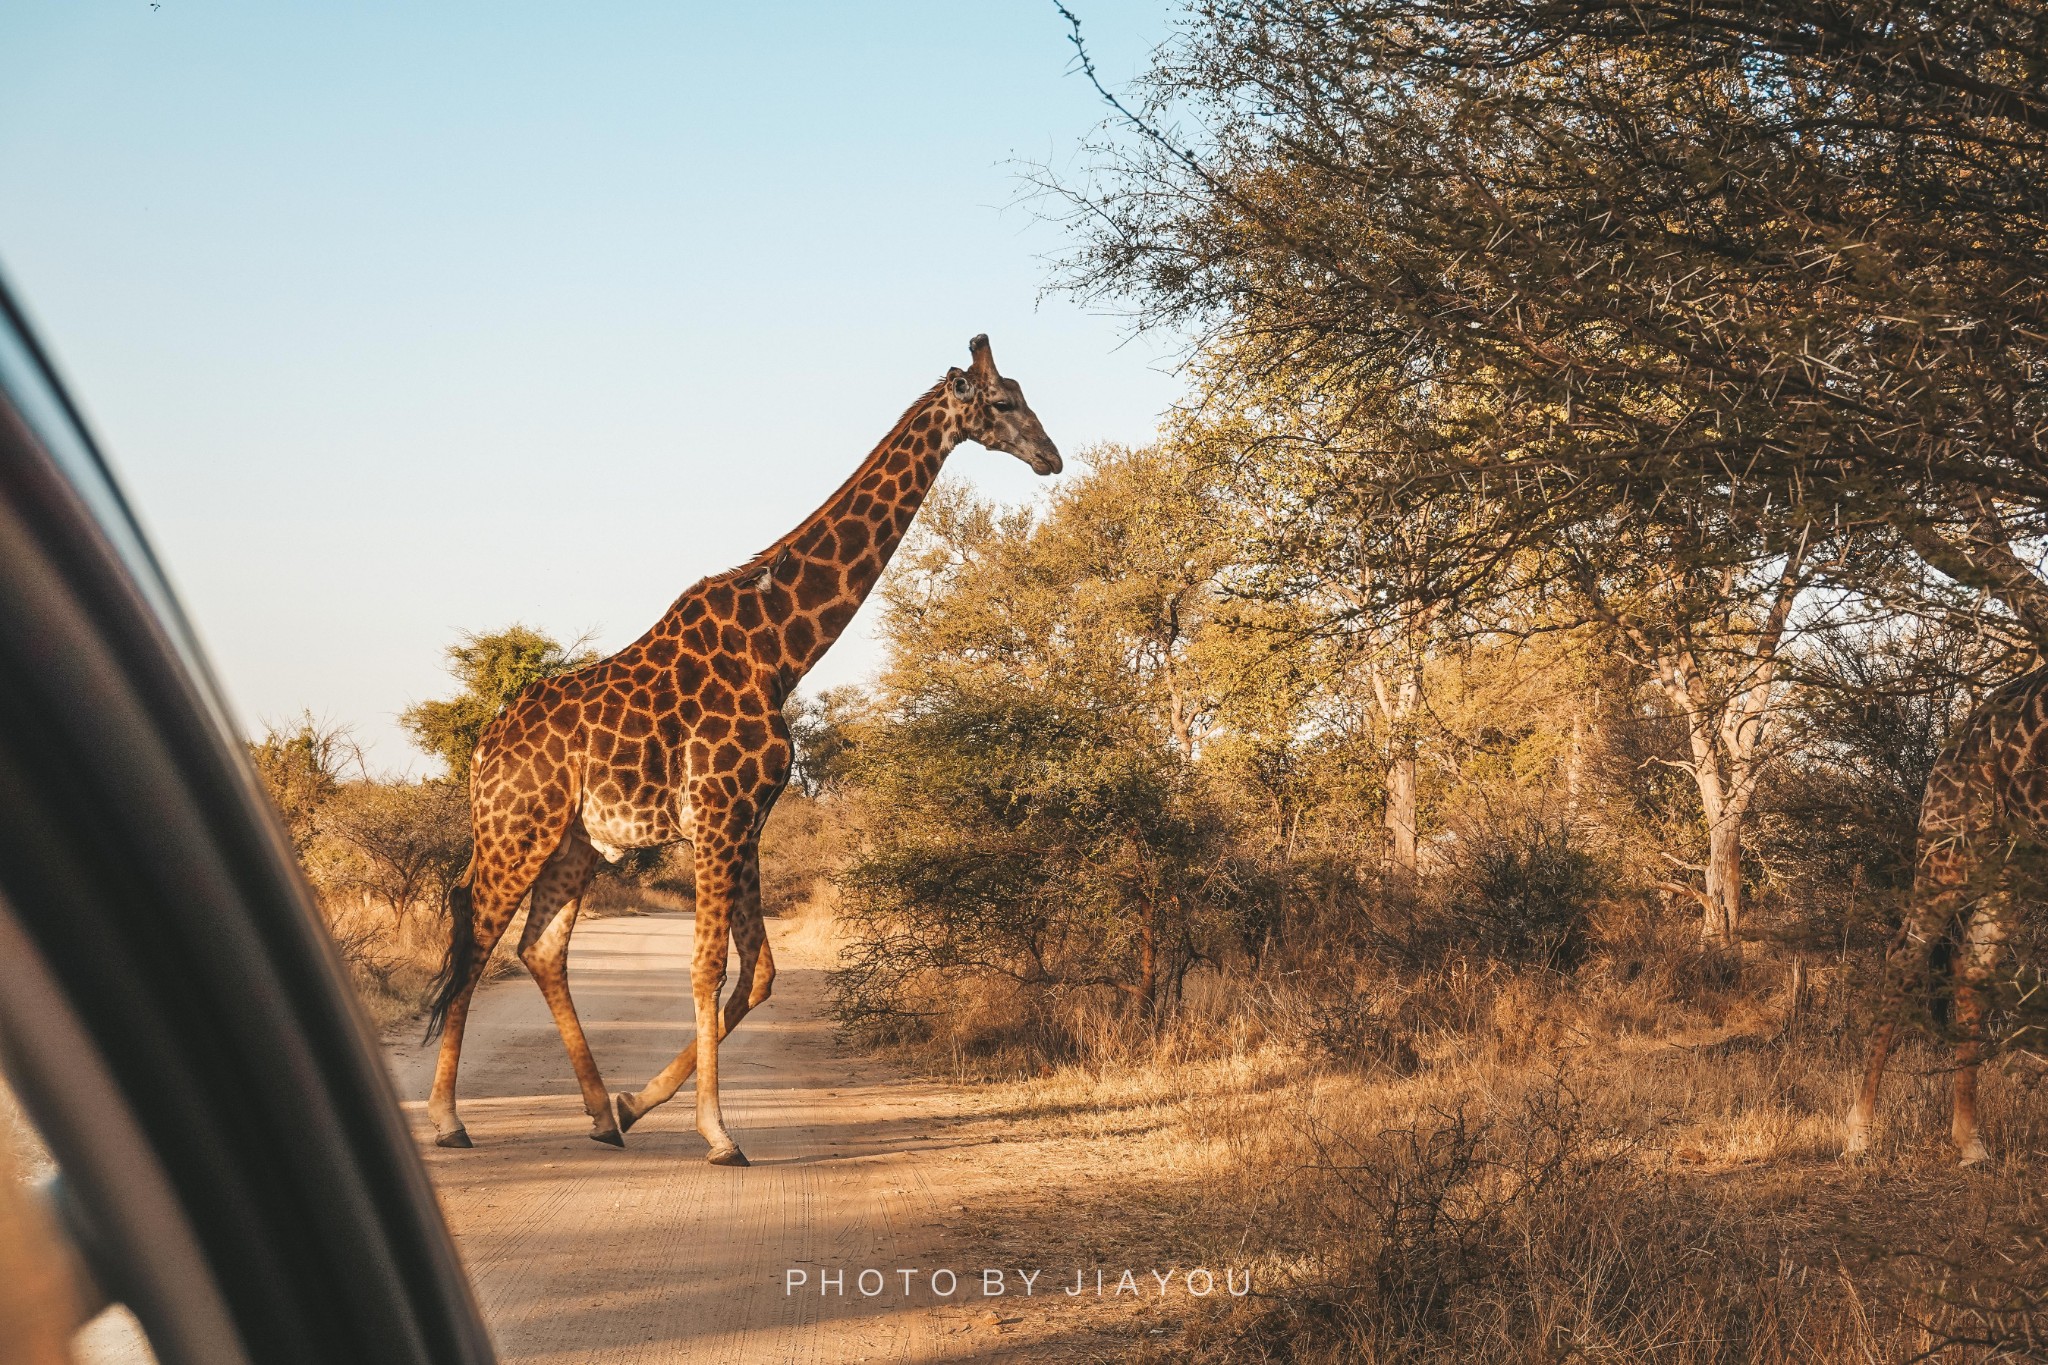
(1008, 834)
(492, 668)
(821, 733)
(1030, 791)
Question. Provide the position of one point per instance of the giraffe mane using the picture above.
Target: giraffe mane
(768, 556)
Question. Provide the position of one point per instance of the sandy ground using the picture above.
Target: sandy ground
(583, 1253)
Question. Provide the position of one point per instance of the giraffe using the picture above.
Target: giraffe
(679, 737)
(1984, 813)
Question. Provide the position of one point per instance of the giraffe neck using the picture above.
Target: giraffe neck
(812, 581)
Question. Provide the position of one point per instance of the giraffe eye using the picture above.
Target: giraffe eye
(1002, 407)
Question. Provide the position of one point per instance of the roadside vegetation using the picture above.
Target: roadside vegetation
(1124, 846)
(1445, 805)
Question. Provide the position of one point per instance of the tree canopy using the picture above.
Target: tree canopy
(1760, 271)
(492, 667)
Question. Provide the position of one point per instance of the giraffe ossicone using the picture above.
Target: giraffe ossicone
(679, 737)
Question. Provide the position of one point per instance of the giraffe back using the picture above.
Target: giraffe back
(624, 743)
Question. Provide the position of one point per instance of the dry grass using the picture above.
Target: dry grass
(393, 957)
(803, 847)
(1635, 1162)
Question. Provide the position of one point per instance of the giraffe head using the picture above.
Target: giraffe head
(993, 412)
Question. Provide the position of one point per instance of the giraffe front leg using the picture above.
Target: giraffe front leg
(727, 880)
(728, 901)
(707, 977)
(749, 990)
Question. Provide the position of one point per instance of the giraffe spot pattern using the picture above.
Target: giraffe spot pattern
(680, 735)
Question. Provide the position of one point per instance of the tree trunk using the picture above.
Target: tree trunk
(1724, 881)
(1401, 809)
(1575, 765)
(1148, 961)
(1397, 706)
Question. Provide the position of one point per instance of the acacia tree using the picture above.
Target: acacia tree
(821, 738)
(1028, 772)
(302, 768)
(400, 842)
(1702, 603)
(1713, 644)
(1786, 254)
(1327, 567)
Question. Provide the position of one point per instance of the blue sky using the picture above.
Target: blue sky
(398, 320)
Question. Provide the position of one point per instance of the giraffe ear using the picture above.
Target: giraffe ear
(984, 366)
(957, 377)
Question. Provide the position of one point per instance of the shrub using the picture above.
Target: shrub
(302, 768)
(1005, 835)
(400, 843)
(1526, 896)
(492, 667)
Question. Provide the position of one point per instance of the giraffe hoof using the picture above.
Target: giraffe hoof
(629, 1114)
(458, 1138)
(610, 1137)
(1976, 1154)
(729, 1156)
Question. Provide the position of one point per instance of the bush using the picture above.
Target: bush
(399, 843)
(1057, 848)
(1360, 1032)
(493, 667)
(302, 768)
(1526, 896)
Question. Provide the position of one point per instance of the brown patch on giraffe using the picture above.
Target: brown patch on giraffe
(818, 585)
(799, 636)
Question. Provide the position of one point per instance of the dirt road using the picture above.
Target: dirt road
(582, 1253)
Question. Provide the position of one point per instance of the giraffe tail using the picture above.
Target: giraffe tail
(456, 967)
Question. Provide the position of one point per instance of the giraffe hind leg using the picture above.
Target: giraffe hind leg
(1976, 963)
(1940, 889)
(544, 948)
(491, 907)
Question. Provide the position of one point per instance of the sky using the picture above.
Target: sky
(401, 320)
